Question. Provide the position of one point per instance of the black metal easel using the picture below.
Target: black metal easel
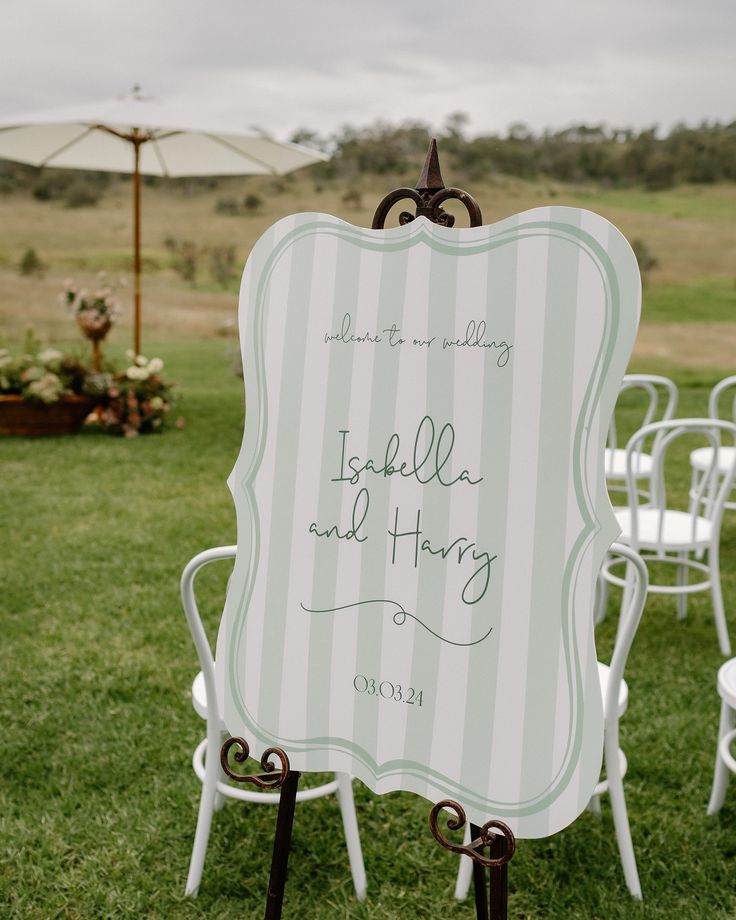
(490, 900)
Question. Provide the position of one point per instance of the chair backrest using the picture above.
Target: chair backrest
(659, 406)
(627, 626)
(714, 400)
(194, 620)
(707, 497)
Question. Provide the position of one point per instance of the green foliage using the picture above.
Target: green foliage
(81, 194)
(223, 264)
(75, 188)
(30, 264)
(41, 375)
(252, 203)
(644, 256)
(184, 258)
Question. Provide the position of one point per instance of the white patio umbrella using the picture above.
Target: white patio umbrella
(143, 135)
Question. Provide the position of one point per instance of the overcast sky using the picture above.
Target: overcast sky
(324, 63)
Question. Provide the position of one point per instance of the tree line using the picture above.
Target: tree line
(702, 154)
(705, 153)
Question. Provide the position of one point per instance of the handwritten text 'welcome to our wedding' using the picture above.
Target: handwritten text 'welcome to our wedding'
(474, 336)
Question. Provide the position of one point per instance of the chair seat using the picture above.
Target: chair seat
(677, 529)
(604, 673)
(615, 464)
(727, 682)
(702, 458)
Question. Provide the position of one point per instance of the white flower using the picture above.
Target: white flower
(48, 388)
(130, 354)
(155, 365)
(136, 373)
(50, 355)
(141, 361)
(157, 403)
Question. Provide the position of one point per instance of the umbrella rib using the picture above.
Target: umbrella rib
(66, 146)
(159, 155)
(247, 156)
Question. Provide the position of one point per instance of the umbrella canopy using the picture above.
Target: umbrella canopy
(143, 135)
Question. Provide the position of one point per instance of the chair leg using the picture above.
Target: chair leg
(621, 824)
(594, 805)
(721, 772)
(352, 835)
(718, 611)
(204, 818)
(464, 871)
(682, 577)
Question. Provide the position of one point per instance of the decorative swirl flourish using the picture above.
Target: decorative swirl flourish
(399, 619)
(269, 779)
(489, 834)
(428, 205)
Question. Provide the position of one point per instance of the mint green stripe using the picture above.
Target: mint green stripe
(435, 512)
(548, 555)
(495, 458)
(392, 296)
(285, 478)
(324, 577)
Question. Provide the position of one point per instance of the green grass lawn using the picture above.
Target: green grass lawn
(98, 800)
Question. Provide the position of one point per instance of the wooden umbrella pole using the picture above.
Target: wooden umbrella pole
(137, 246)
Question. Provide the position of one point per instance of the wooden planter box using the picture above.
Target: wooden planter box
(24, 417)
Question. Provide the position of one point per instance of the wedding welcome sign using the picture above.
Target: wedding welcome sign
(421, 505)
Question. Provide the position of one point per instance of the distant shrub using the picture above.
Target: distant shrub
(223, 264)
(51, 186)
(252, 203)
(660, 172)
(184, 258)
(646, 259)
(30, 264)
(81, 195)
(353, 198)
(227, 206)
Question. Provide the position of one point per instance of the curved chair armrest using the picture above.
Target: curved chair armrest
(194, 620)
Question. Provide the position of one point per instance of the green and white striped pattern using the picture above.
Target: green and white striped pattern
(510, 721)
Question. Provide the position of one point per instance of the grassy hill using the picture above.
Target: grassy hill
(689, 232)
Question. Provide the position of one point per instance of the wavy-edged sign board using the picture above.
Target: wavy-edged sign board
(421, 505)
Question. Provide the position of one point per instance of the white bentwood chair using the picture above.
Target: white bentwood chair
(725, 763)
(206, 759)
(615, 694)
(688, 539)
(659, 403)
(700, 459)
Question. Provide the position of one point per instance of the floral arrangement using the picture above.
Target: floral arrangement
(45, 375)
(138, 399)
(96, 310)
(131, 402)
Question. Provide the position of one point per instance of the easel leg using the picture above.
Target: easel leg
(498, 839)
(499, 877)
(479, 882)
(281, 847)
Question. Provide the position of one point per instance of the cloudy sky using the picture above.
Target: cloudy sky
(321, 64)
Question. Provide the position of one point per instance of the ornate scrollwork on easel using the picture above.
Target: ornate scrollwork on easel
(271, 778)
(489, 835)
(428, 196)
